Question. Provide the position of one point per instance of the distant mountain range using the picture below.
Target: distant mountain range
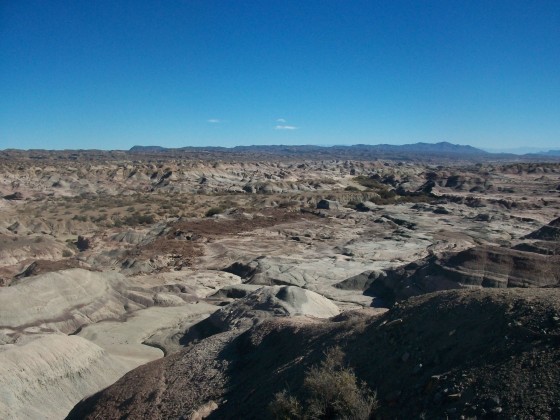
(423, 150)
(549, 153)
(522, 150)
(442, 149)
(427, 152)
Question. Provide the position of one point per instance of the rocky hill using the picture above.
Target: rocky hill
(491, 353)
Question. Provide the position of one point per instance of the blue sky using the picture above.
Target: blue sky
(113, 74)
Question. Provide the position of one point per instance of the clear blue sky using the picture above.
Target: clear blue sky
(113, 74)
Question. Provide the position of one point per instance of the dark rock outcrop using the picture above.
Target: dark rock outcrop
(328, 205)
(15, 196)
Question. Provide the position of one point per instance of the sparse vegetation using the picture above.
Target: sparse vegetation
(100, 218)
(386, 195)
(324, 181)
(139, 219)
(214, 210)
(330, 391)
(368, 182)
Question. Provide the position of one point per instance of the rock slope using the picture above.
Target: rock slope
(46, 375)
(492, 352)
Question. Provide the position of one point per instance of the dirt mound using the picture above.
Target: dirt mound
(491, 352)
(261, 304)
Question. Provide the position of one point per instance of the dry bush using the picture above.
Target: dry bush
(331, 391)
(286, 406)
(368, 182)
(214, 210)
(139, 219)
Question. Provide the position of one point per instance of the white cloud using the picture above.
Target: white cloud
(214, 121)
(285, 127)
(280, 120)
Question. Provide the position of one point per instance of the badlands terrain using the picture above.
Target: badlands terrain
(194, 283)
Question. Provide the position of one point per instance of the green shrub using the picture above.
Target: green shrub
(331, 391)
(368, 182)
(139, 219)
(146, 219)
(387, 194)
(214, 210)
(324, 181)
(284, 406)
(100, 218)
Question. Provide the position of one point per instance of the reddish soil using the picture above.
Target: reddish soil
(236, 223)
